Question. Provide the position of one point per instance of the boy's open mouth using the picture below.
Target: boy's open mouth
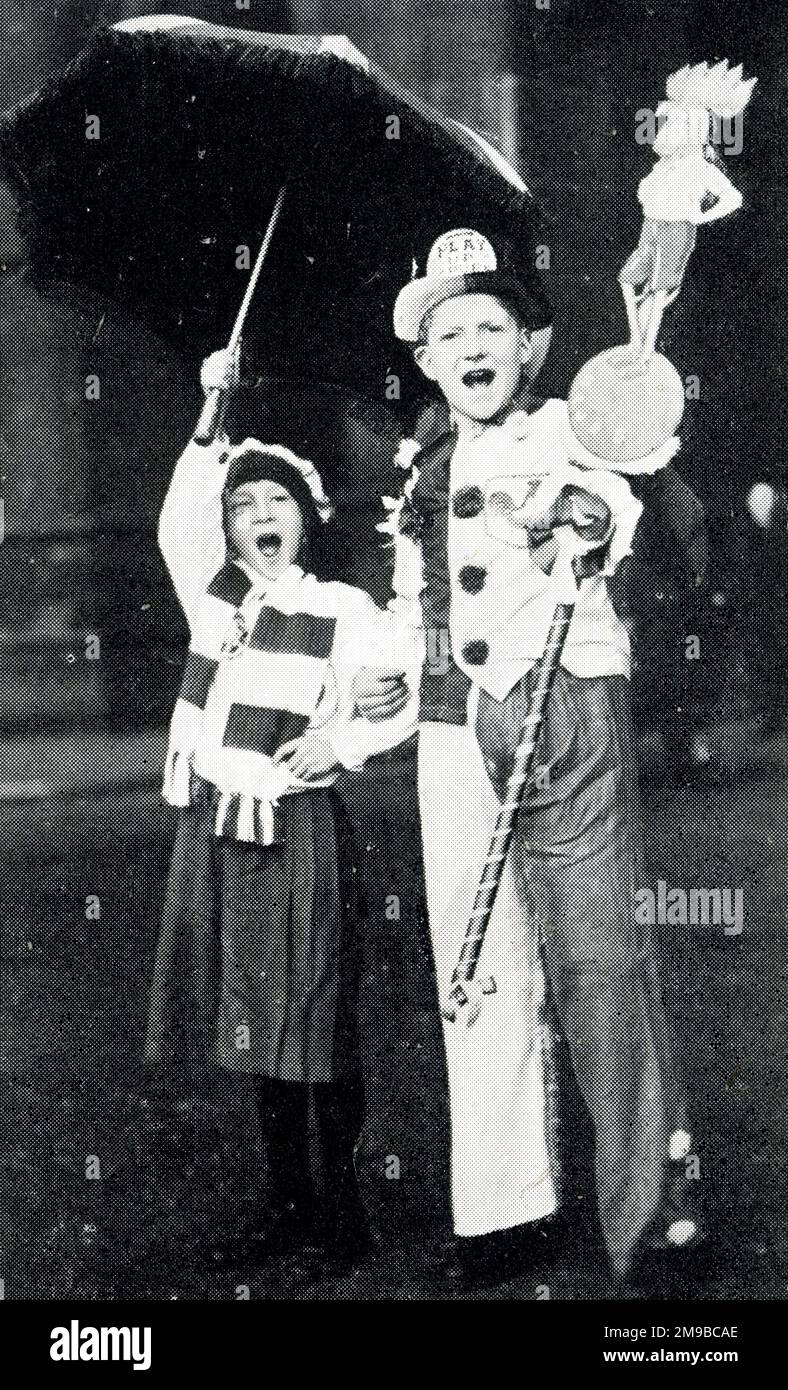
(269, 544)
(479, 376)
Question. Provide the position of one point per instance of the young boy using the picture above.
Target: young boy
(473, 541)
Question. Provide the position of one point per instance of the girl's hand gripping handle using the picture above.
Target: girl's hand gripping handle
(220, 375)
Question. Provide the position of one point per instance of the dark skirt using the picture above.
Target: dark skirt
(258, 961)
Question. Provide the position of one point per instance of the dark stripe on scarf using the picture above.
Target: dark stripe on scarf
(197, 679)
(305, 634)
(230, 584)
(262, 730)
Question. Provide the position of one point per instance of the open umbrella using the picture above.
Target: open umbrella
(148, 171)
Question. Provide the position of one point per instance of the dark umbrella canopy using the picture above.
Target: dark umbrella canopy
(198, 127)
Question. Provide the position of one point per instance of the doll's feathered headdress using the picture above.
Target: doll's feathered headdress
(718, 88)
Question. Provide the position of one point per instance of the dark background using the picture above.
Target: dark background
(83, 480)
(81, 741)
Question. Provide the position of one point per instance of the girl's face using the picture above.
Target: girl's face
(264, 526)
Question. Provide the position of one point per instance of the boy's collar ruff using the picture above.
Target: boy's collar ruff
(263, 586)
(439, 418)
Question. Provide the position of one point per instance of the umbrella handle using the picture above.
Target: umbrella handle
(217, 400)
(212, 415)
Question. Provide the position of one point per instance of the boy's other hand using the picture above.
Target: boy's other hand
(221, 371)
(379, 692)
(308, 758)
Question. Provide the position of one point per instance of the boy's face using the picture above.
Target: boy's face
(475, 351)
(264, 526)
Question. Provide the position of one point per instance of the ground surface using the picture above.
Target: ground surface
(73, 1090)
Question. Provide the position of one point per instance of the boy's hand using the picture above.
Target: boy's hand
(221, 371)
(379, 692)
(586, 513)
(309, 758)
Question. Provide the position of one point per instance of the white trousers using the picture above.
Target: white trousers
(500, 1171)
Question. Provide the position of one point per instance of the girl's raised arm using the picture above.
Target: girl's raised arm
(191, 534)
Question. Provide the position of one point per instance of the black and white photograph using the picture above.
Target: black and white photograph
(393, 712)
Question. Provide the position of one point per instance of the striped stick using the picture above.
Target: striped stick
(460, 993)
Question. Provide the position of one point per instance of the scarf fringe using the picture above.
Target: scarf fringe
(248, 818)
(177, 780)
(253, 819)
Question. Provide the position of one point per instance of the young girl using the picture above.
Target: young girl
(257, 963)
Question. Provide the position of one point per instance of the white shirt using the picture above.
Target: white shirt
(513, 610)
(192, 540)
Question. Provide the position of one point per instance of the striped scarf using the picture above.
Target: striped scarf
(256, 673)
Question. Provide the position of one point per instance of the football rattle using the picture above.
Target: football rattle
(626, 405)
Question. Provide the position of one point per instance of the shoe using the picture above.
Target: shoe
(337, 1246)
(284, 1233)
(683, 1235)
(503, 1256)
(476, 1262)
(674, 1255)
(677, 1228)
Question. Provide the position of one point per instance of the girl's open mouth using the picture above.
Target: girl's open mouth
(479, 376)
(269, 544)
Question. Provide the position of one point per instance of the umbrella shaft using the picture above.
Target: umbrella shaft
(515, 790)
(215, 407)
(235, 336)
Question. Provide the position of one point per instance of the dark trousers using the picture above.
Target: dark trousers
(582, 851)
